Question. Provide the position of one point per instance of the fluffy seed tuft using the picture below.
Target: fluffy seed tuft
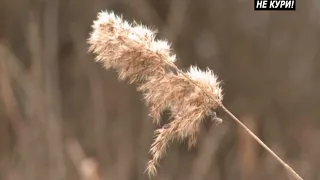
(130, 49)
(138, 57)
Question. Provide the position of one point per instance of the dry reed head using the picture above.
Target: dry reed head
(178, 93)
(188, 103)
(133, 51)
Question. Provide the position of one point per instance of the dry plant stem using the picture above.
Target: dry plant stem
(294, 173)
(232, 116)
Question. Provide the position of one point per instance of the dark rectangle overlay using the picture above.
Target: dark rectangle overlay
(275, 5)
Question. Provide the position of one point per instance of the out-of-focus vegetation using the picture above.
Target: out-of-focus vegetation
(62, 116)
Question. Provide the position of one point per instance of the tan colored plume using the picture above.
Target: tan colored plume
(135, 53)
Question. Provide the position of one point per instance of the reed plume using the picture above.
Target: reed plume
(131, 50)
(140, 58)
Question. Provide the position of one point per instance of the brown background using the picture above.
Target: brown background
(56, 102)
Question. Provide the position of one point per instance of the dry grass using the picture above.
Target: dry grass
(190, 96)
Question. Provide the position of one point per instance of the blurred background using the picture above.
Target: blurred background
(62, 116)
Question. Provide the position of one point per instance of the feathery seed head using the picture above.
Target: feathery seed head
(130, 49)
(208, 80)
(188, 103)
